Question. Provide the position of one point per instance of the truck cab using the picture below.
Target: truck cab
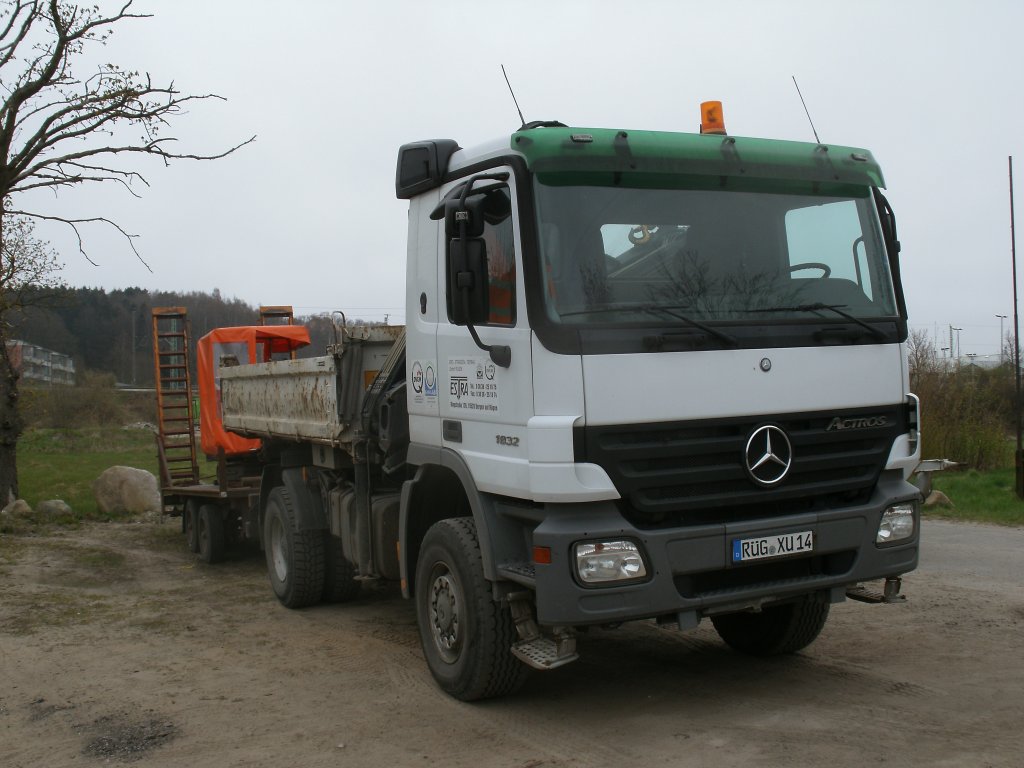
(649, 375)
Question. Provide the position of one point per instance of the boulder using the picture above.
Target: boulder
(53, 508)
(18, 509)
(938, 499)
(126, 490)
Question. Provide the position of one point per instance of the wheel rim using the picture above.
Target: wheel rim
(445, 613)
(278, 554)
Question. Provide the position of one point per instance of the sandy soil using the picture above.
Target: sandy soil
(117, 646)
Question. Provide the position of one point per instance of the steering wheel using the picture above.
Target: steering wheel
(825, 268)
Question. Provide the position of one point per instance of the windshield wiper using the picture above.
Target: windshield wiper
(670, 310)
(837, 308)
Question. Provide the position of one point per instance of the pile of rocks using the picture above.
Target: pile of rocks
(118, 491)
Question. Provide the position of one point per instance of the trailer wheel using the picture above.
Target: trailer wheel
(295, 558)
(775, 630)
(466, 635)
(340, 584)
(190, 525)
(210, 534)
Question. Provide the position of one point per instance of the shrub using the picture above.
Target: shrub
(94, 402)
(966, 414)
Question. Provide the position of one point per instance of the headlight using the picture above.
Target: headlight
(898, 523)
(598, 562)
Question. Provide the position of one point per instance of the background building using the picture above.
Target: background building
(39, 365)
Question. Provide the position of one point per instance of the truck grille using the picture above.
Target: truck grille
(677, 473)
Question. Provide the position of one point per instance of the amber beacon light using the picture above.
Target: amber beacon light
(711, 118)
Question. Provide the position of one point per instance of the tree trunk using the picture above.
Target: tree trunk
(11, 423)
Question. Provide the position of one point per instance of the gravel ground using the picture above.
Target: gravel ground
(116, 646)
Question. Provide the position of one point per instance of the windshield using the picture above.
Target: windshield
(620, 255)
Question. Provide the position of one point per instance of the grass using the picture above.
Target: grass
(979, 496)
(63, 463)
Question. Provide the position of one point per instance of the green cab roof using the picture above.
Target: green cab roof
(553, 152)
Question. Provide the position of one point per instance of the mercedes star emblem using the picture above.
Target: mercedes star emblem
(768, 455)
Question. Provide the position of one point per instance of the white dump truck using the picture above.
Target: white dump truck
(645, 375)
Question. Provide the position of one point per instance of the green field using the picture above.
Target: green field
(980, 496)
(63, 463)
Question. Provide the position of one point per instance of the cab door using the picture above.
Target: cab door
(485, 404)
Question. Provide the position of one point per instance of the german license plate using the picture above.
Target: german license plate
(778, 545)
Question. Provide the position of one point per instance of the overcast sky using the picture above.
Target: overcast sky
(307, 214)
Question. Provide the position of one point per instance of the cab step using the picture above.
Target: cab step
(544, 653)
(534, 649)
(890, 593)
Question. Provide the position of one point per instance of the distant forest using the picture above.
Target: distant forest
(111, 332)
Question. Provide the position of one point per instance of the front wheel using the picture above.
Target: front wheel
(295, 558)
(776, 630)
(466, 636)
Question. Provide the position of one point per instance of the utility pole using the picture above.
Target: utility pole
(1018, 457)
(133, 345)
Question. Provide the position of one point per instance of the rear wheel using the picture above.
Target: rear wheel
(295, 558)
(340, 584)
(190, 525)
(776, 630)
(466, 636)
(210, 534)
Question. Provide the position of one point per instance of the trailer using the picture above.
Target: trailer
(216, 509)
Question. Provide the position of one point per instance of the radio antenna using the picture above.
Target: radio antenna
(522, 119)
(806, 111)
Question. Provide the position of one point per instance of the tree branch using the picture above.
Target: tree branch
(73, 223)
(58, 130)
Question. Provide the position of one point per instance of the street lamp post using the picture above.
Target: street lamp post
(1001, 318)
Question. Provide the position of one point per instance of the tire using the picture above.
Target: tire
(295, 559)
(190, 525)
(776, 630)
(466, 636)
(210, 534)
(340, 584)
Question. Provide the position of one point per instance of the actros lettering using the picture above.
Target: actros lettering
(858, 422)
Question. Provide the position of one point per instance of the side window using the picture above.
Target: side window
(501, 258)
(826, 236)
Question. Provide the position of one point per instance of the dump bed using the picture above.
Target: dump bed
(316, 399)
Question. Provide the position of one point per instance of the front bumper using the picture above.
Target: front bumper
(690, 569)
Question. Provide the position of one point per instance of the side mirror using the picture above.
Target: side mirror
(467, 281)
(472, 214)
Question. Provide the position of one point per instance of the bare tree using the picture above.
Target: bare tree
(921, 354)
(61, 129)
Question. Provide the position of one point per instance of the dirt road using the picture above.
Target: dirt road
(116, 645)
